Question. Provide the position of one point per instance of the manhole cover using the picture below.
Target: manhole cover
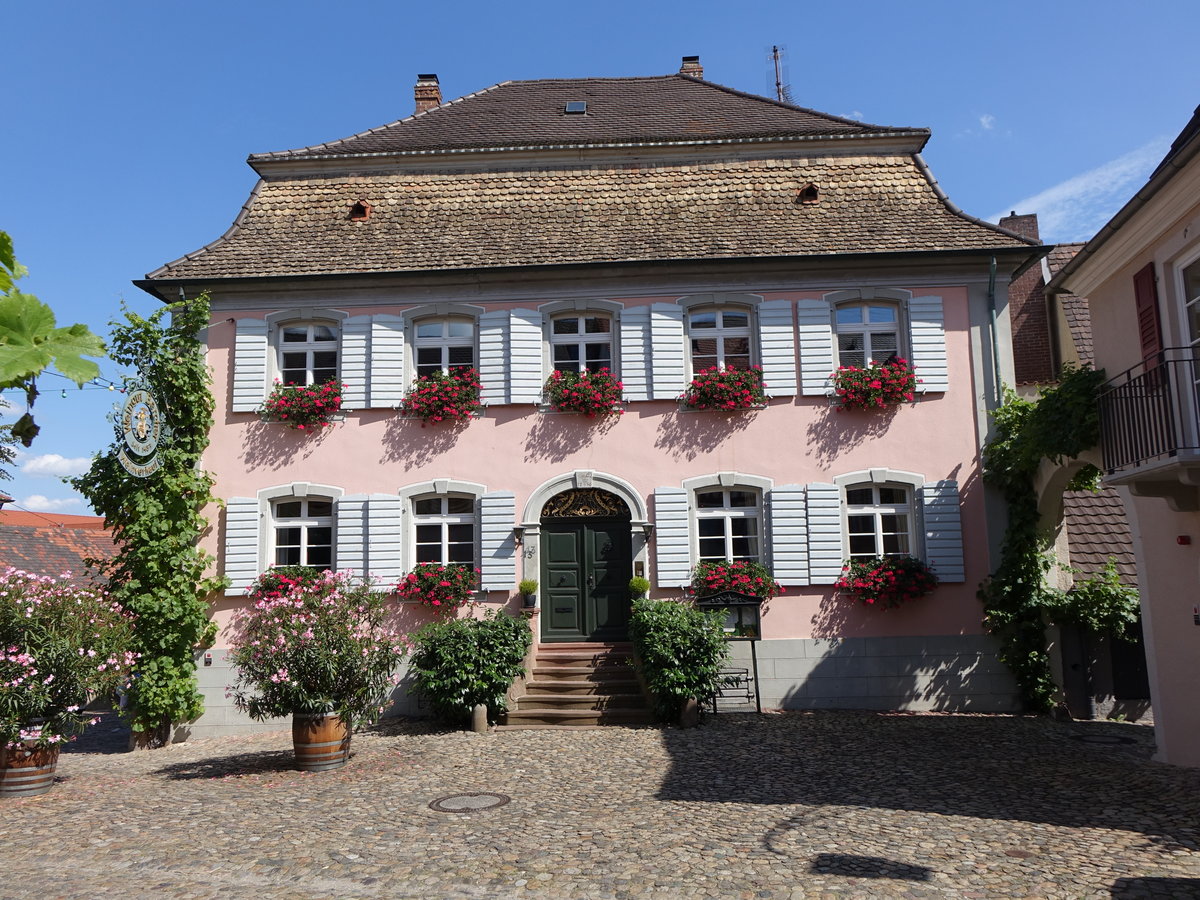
(468, 803)
(1103, 739)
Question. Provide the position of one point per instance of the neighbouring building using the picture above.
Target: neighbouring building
(1141, 275)
(658, 226)
(54, 544)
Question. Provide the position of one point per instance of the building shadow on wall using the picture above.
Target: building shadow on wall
(835, 764)
(413, 444)
(687, 434)
(269, 445)
(834, 431)
(554, 437)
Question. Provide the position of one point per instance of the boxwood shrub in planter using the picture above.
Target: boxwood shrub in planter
(680, 651)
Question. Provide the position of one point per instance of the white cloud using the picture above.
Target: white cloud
(1077, 208)
(12, 407)
(53, 465)
(987, 121)
(40, 503)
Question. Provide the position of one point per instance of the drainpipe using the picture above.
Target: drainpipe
(991, 299)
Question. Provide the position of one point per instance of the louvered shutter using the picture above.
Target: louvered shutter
(789, 534)
(385, 561)
(350, 553)
(242, 565)
(672, 546)
(249, 365)
(927, 332)
(355, 361)
(778, 340)
(636, 354)
(825, 552)
(943, 530)
(497, 542)
(525, 356)
(493, 356)
(387, 361)
(666, 351)
(1145, 295)
(815, 340)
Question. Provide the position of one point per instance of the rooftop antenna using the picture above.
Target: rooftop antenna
(783, 92)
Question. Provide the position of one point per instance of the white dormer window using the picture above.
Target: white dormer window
(867, 333)
(302, 532)
(308, 353)
(444, 345)
(582, 342)
(719, 338)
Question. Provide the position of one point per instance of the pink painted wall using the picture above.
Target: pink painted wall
(796, 440)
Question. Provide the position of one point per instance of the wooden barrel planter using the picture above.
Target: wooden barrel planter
(321, 740)
(26, 771)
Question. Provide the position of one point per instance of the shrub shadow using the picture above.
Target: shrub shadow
(262, 762)
(835, 431)
(556, 436)
(269, 445)
(685, 434)
(415, 444)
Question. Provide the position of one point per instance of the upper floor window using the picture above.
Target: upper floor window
(581, 342)
(444, 528)
(719, 338)
(728, 524)
(308, 353)
(866, 333)
(879, 519)
(1191, 291)
(443, 345)
(302, 532)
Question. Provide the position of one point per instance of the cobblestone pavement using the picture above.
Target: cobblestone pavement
(826, 804)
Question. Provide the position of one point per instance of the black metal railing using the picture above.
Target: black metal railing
(1149, 412)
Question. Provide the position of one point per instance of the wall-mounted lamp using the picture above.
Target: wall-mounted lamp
(648, 529)
(519, 533)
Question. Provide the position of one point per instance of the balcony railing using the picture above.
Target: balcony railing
(1149, 413)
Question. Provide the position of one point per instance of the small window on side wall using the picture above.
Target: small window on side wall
(308, 353)
(879, 520)
(302, 532)
(867, 333)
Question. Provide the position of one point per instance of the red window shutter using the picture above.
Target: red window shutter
(1145, 293)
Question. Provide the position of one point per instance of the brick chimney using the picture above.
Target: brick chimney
(427, 93)
(1032, 337)
(691, 66)
(1026, 226)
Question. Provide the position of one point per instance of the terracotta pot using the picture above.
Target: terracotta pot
(27, 771)
(321, 741)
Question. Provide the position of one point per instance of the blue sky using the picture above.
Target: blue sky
(127, 124)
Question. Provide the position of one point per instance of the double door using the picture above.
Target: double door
(585, 572)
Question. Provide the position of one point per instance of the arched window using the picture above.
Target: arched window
(582, 341)
(302, 532)
(867, 332)
(879, 519)
(308, 352)
(444, 344)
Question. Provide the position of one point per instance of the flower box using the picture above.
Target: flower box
(886, 581)
(444, 588)
(726, 390)
(877, 386)
(590, 393)
(305, 407)
(443, 397)
(741, 576)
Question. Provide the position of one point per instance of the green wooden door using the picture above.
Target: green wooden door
(586, 567)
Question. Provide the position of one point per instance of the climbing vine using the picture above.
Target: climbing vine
(1061, 424)
(159, 571)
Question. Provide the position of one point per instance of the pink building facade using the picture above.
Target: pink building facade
(511, 232)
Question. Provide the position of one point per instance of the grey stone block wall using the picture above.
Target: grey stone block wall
(953, 673)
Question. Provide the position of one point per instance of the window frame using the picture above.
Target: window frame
(912, 482)
(445, 519)
(727, 482)
(582, 339)
(305, 522)
(866, 328)
(728, 513)
(445, 343)
(721, 333)
(877, 510)
(277, 322)
(438, 487)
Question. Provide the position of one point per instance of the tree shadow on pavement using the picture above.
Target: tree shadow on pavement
(262, 762)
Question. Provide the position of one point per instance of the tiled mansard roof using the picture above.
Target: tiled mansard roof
(433, 212)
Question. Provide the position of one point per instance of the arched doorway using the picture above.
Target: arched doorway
(586, 556)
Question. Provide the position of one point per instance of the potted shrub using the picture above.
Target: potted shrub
(443, 396)
(61, 646)
(591, 393)
(444, 588)
(877, 386)
(638, 587)
(317, 646)
(743, 576)
(305, 407)
(528, 590)
(886, 581)
(679, 652)
(726, 390)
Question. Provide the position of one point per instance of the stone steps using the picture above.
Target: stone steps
(580, 685)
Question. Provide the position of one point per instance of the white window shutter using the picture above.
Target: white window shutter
(789, 534)
(636, 355)
(817, 359)
(242, 565)
(497, 542)
(493, 356)
(350, 550)
(525, 356)
(927, 330)
(778, 340)
(387, 361)
(250, 365)
(672, 545)
(385, 560)
(943, 530)
(666, 351)
(355, 361)
(825, 552)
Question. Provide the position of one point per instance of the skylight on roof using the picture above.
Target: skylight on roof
(576, 107)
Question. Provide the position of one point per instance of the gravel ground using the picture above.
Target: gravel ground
(828, 804)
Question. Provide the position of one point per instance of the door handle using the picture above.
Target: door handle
(591, 582)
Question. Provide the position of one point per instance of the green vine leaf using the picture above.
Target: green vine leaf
(31, 342)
